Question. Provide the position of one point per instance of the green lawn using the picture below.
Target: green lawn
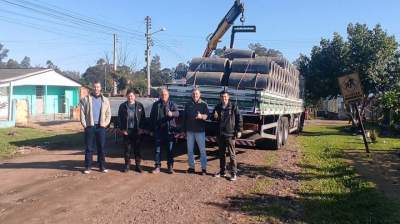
(332, 191)
(12, 138)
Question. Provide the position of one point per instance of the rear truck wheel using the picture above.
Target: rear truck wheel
(298, 125)
(285, 130)
(301, 124)
(263, 143)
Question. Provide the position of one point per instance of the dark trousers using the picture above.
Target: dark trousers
(164, 142)
(227, 144)
(95, 138)
(132, 146)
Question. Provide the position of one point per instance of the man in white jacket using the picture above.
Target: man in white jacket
(95, 117)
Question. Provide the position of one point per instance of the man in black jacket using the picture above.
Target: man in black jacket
(230, 124)
(131, 117)
(162, 117)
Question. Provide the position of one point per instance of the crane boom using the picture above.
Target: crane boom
(223, 26)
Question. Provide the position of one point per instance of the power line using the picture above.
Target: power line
(53, 13)
(93, 19)
(41, 28)
(54, 22)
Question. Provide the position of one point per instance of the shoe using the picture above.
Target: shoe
(156, 170)
(138, 169)
(233, 177)
(203, 172)
(86, 171)
(190, 170)
(126, 169)
(220, 174)
(171, 170)
(104, 170)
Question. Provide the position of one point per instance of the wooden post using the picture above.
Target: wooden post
(361, 126)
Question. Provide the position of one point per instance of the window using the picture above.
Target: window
(39, 91)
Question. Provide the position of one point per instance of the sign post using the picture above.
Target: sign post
(351, 89)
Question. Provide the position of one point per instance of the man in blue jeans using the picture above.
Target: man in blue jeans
(196, 113)
(95, 117)
(162, 118)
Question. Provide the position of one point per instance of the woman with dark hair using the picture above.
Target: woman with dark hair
(131, 117)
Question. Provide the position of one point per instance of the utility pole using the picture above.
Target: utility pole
(114, 64)
(148, 46)
(105, 77)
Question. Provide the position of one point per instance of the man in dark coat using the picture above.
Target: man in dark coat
(131, 117)
(230, 125)
(162, 118)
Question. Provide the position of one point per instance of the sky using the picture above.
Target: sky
(292, 27)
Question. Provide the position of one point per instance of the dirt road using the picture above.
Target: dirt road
(48, 187)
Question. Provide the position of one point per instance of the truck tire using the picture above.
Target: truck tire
(277, 143)
(285, 130)
(298, 126)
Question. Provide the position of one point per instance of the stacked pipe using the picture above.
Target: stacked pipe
(207, 71)
(273, 74)
(244, 71)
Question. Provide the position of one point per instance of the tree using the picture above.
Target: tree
(99, 71)
(26, 62)
(371, 52)
(260, 50)
(3, 53)
(139, 83)
(327, 62)
(75, 75)
(51, 65)
(181, 70)
(11, 63)
(159, 77)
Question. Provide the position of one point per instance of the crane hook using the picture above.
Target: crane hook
(242, 18)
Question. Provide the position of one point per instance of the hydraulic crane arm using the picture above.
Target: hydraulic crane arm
(223, 26)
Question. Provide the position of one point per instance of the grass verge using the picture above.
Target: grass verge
(330, 192)
(12, 138)
(331, 189)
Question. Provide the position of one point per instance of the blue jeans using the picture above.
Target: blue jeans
(200, 138)
(164, 142)
(95, 138)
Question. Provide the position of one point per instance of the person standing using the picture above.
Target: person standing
(95, 116)
(196, 113)
(131, 116)
(230, 125)
(162, 117)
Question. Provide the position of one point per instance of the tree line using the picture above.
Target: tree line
(371, 52)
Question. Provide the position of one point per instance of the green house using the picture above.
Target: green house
(46, 92)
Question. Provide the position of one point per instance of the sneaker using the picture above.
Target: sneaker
(203, 172)
(233, 177)
(104, 170)
(220, 174)
(171, 170)
(156, 170)
(190, 170)
(86, 171)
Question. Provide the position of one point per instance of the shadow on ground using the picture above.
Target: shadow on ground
(350, 207)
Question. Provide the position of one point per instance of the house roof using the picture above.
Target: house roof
(19, 76)
(11, 74)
